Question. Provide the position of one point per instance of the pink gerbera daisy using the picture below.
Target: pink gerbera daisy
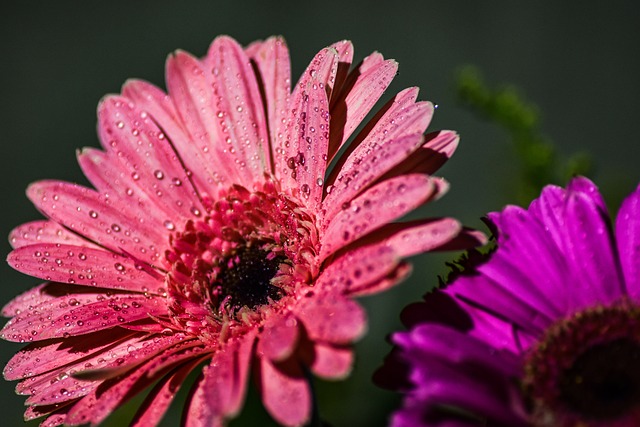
(216, 232)
(544, 332)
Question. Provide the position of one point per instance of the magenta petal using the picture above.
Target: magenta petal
(240, 112)
(279, 337)
(220, 393)
(331, 362)
(44, 232)
(592, 255)
(285, 392)
(498, 299)
(92, 215)
(332, 318)
(628, 237)
(377, 206)
(84, 266)
(529, 264)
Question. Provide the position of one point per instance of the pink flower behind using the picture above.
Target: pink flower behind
(216, 233)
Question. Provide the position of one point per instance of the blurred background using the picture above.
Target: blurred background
(578, 62)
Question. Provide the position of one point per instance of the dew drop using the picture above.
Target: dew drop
(158, 174)
(169, 225)
(119, 266)
(115, 227)
(319, 182)
(93, 214)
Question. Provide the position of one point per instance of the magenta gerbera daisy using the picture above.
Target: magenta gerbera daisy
(545, 331)
(217, 233)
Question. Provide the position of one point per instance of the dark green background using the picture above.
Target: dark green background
(577, 60)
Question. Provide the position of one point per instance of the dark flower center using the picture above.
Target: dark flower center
(604, 381)
(242, 257)
(586, 369)
(246, 278)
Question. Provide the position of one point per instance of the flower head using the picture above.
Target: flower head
(544, 332)
(217, 233)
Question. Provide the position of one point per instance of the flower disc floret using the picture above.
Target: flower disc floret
(253, 249)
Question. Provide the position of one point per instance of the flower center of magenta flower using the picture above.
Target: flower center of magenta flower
(586, 369)
(245, 257)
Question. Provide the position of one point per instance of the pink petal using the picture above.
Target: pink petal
(158, 400)
(303, 147)
(467, 238)
(35, 296)
(148, 348)
(220, 393)
(44, 232)
(38, 358)
(394, 278)
(367, 84)
(332, 318)
(272, 60)
(66, 383)
(98, 404)
(55, 413)
(345, 58)
(204, 163)
(146, 169)
(54, 420)
(331, 362)
(429, 235)
(400, 117)
(375, 207)
(81, 314)
(364, 166)
(84, 266)
(92, 215)
(428, 159)
(190, 89)
(358, 268)
(237, 98)
(285, 392)
(279, 338)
